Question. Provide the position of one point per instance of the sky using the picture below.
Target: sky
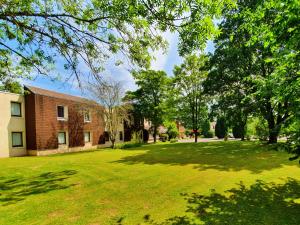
(121, 73)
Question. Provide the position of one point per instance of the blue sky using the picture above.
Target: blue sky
(163, 61)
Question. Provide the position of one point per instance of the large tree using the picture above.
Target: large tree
(35, 34)
(191, 101)
(109, 93)
(244, 66)
(150, 96)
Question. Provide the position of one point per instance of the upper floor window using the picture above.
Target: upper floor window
(87, 116)
(17, 139)
(62, 112)
(16, 109)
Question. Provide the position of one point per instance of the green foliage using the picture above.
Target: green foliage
(163, 137)
(35, 34)
(221, 128)
(126, 145)
(172, 130)
(149, 98)
(173, 140)
(254, 69)
(11, 86)
(188, 93)
(205, 129)
(261, 131)
(238, 131)
(209, 134)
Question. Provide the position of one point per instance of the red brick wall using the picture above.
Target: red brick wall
(47, 126)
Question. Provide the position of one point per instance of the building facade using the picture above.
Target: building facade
(12, 125)
(44, 122)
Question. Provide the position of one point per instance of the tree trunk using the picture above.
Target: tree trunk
(112, 144)
(273, 131)
(196, 136)
(273, 135)
(154, 134)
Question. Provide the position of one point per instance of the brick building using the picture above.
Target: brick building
(58, 122)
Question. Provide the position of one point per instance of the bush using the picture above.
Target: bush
(127, 145)
(261, 131)
(238, 131)
(173, 140)
(163, 137)
(209, 134)
(205, 127)
(221, 129)
(172, 130)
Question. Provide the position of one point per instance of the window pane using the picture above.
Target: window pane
(87, 137)
(15, 109)
(60, 111)
(87, 117)
(121, 135)
(61, 138)
(17, 139)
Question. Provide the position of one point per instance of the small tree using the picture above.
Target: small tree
(172, 129)
(221, 129)
(109, 94)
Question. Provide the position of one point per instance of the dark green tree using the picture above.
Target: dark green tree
(221, 128)
(150, 96)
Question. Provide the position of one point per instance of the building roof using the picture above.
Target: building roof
(40, 91)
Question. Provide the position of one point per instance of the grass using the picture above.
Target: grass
(181, 183)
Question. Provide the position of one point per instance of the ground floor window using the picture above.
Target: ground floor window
(17, 139)
(62, 138)
(87, 137)
(121, 135)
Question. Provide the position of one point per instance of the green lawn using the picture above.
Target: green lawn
(233, 183)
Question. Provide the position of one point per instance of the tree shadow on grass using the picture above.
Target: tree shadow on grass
(261, 203)
(16, 189)
(222, 156)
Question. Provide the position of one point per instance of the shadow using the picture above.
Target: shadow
(16, 189)
(261, 203)
(224, 156)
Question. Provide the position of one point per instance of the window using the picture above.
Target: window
(62, 138)
(121, 135)
(87, 137)
(16, 109)
(60, 111)
(87, 116)
(17, 139)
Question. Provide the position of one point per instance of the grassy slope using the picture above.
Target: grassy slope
(103, 187)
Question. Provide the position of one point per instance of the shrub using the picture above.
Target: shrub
(221, 129)
(127, 145)
(205, 127)
(261, 131)
(238, 131)
(173, 140)
(163, 137)
(172, 130)
(209, 134)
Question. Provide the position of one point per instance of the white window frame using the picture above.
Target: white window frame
(65, 137)
(90, 138)
(90, 117)
(65, 117)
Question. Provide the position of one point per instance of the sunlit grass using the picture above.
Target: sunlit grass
(122, 186)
